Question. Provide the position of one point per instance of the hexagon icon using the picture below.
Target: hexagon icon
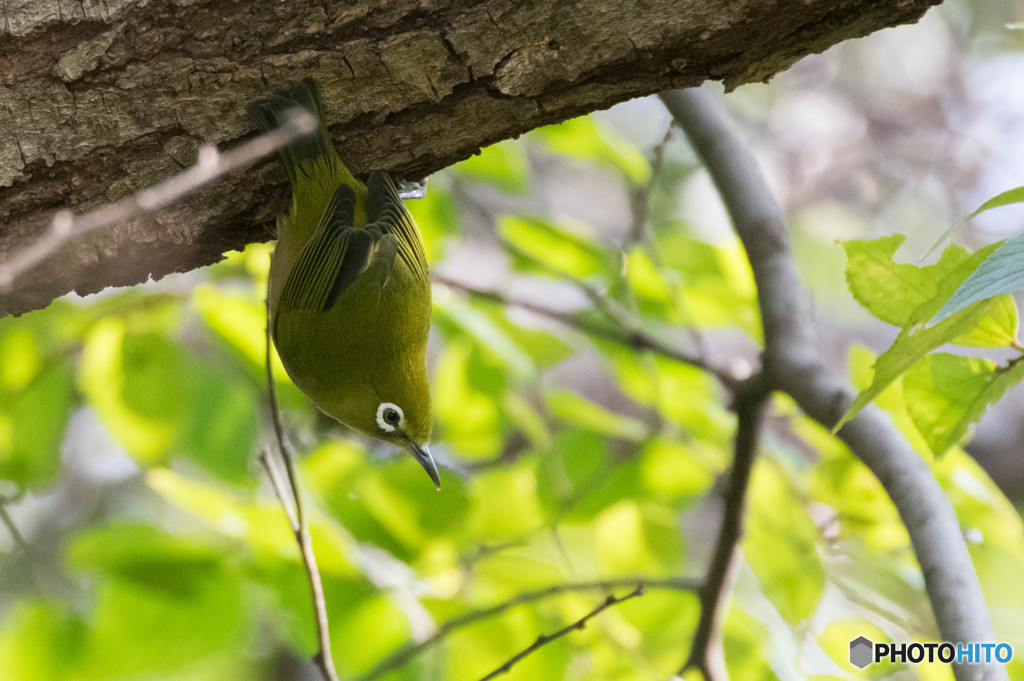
(861, 652)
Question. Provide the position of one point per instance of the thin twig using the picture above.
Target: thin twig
(631, 338)
(641, 196)
(706, 653)
(8, 522)
(402, 657)
(300, 527)
(545, 639)
(267, 460)
(209, 165)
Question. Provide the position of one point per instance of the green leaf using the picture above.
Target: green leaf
(519, 510)
(239, 320)
(780, 542)
(164, 602)
(139, 384)
(916, 340)
(32, 424)
(673, 469)
(494, 338)
(574, 253)
(502, 165)
(222, 426)
(889, 290)
(946, 393)
(260, 526)
(576, 463)
(632, 538)
(1001, 272)
(586, 139)
(41, 642)
(576, 409)
(1006, 198)
(466, 389)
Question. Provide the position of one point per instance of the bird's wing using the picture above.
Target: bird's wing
(331, 260)
(387, 213)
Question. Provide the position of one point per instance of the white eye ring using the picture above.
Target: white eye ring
(386, 413)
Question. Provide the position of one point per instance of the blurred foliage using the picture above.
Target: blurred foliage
(129, 423)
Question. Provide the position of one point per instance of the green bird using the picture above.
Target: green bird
(349, 290)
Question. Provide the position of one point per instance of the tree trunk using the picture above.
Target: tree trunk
(102, 98)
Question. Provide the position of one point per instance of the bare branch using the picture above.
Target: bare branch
(300, 527)
(408, 653)
(631, 338)
(545, 639)
(209, 165)
(792, 363)
(706, 650)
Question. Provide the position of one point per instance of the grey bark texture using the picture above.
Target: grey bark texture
(102, 98)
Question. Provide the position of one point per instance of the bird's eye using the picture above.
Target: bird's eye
(390, 417)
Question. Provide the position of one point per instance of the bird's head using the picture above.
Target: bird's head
(395, 408)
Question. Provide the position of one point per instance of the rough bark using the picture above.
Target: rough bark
(100, 98)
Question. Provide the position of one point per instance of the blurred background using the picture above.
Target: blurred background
(141, 541)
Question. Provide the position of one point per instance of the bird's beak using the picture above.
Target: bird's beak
(422, 454)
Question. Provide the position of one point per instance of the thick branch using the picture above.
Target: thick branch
(792, 363)
(103, 99)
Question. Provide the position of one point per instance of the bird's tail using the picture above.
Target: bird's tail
(271, 112)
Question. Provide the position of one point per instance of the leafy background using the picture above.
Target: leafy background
(130, 420)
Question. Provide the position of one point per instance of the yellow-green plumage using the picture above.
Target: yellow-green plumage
(349, 288)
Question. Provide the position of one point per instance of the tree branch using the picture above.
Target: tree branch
(545, 639)
(92, 112)
(793, 364)
(402, 657)
(630, 338)
(706, 653)
(210, 164)
(297, 519)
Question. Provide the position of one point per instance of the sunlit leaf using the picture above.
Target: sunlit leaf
(677, 469)
(781, 541)
(576, 464)
(241, 321)
(465, 406)
(498, 343)
(32, 424)
(587, 140)
(519, 510)
(891, 400)
(222, 428)
(630, 538)
(41, 642)
(947, 393)
(139, 384)
(916, 340)
(259, 525)
(570, 252)
(890, 290)
(574, 408)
